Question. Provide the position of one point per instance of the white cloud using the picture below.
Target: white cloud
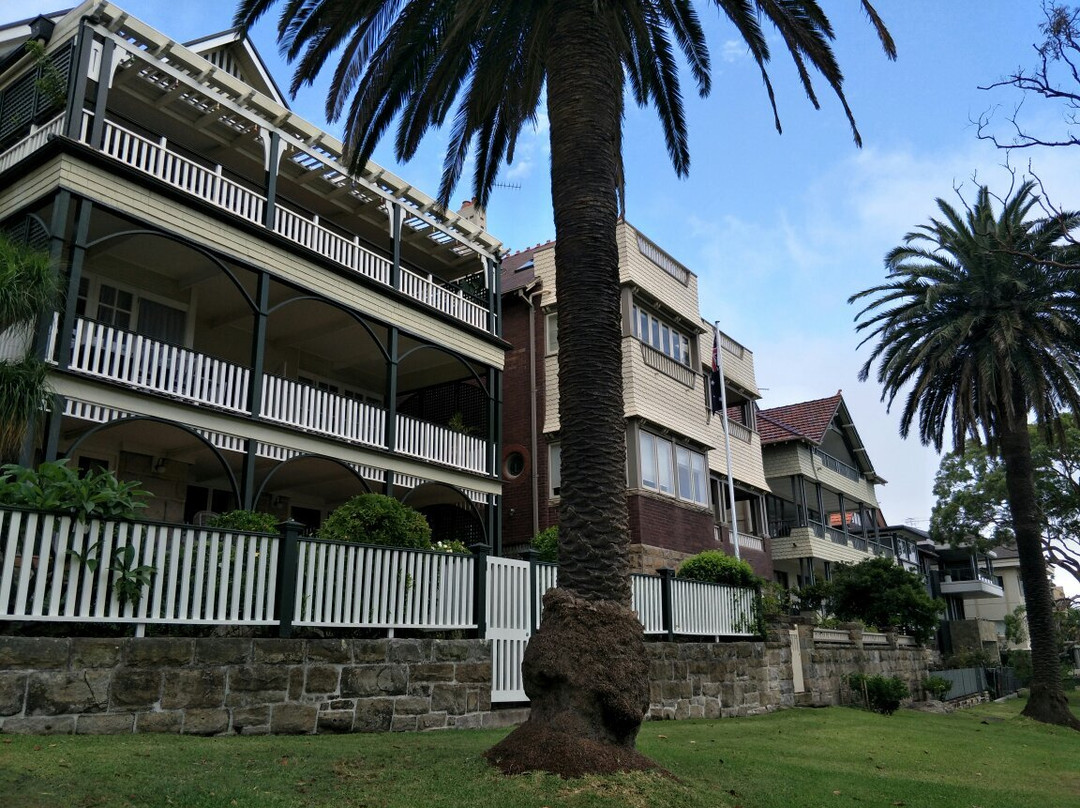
(732, 50)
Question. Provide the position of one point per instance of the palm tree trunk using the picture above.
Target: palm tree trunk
(1047, 702)
(585, 671)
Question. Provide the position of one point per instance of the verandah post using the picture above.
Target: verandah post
(285, 594)
(667, 611)
(480, 553)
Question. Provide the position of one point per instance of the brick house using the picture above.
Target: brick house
(677, 468)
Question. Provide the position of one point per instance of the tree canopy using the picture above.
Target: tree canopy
(881, 593)
(973, 502)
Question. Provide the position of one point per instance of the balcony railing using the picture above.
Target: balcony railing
(658, 360)
(740, 432)
(305, 407)
(840, 467)
(153, 157)
(34, 141)
(137, 361)
(438, 443)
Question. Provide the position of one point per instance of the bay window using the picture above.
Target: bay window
(671, 469)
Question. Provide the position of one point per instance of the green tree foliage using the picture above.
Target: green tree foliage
(973, 499)
(881, 593)
(254, 521)
(978, 323)
(53, 486)
(714, 567)
(546, 543)
(380, 520)
(29, 288)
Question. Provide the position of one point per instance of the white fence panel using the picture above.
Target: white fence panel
(354, 585)
(54, 567)
(702, 609)
(508, 625)
(648, 602)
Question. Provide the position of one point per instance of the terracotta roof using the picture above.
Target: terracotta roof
(517, 271)
(807, 420)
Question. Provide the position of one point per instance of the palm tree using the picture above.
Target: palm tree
(28, 289)
(484, 66)
(980, 320)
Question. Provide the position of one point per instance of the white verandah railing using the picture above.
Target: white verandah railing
(132, 359)
(153, 157)
(441, 444)
(301, 405)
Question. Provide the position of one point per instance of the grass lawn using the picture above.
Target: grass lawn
(986, 757)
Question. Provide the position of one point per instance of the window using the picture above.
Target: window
(124, 309)
(672, 469)
(662, 336)
(552, 322)
(514, 465)
(555, 468)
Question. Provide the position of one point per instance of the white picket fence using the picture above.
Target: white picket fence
(56, 568)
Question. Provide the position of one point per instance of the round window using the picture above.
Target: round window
(514, 465)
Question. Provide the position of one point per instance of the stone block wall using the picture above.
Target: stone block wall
(213, 686)
(706, 680)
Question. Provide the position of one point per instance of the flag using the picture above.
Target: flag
(716, 378)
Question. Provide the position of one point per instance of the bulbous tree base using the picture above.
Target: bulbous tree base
(1050, 707)
(587, 678)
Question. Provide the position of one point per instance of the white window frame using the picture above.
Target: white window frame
(554, 469)
(659, 334)
(661, 463)
(551, 332)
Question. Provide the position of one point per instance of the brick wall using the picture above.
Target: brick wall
(663, 522)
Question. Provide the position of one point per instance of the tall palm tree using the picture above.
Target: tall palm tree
(980, 321)
(28, 289)
(484, 67)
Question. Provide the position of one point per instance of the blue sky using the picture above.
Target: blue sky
(781, 229)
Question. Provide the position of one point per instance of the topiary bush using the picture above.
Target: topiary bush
(380, 520)
(546, 543)
(714, 567)
(254, 521)
(882, 694)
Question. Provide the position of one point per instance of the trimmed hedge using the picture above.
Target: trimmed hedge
(714, 567)
(380, 520)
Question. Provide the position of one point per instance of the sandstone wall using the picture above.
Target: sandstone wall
(215, 686)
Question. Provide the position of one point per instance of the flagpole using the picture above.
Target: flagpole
(719, 354)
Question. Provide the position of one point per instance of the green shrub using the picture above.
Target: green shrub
(813, 596)
(936, 686)
(546, 543)
(713, 567)
(380, 520)
(452, 546)
(883, 594)
(55, 487)
(254, 521)
(775, 600)
(882, 694)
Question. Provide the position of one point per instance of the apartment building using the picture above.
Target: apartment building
(247, 323)
(677, 469)
(823, 507)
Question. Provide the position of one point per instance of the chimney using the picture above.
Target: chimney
(473, 213)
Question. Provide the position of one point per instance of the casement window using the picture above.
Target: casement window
(671, 469)
(554, 468)
(551, 322)
(662, 336)
(124, 309)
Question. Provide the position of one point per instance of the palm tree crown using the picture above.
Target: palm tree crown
(980, 317)
(485, 64)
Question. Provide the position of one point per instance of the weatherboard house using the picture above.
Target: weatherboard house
(677, 488)
(247, 324)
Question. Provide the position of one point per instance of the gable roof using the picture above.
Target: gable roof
(807, 420)
(235, 54)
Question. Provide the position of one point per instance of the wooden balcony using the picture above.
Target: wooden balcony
(140, 363)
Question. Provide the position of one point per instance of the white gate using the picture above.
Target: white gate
(509, 625)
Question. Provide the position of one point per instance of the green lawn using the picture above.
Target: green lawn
(988, 757)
